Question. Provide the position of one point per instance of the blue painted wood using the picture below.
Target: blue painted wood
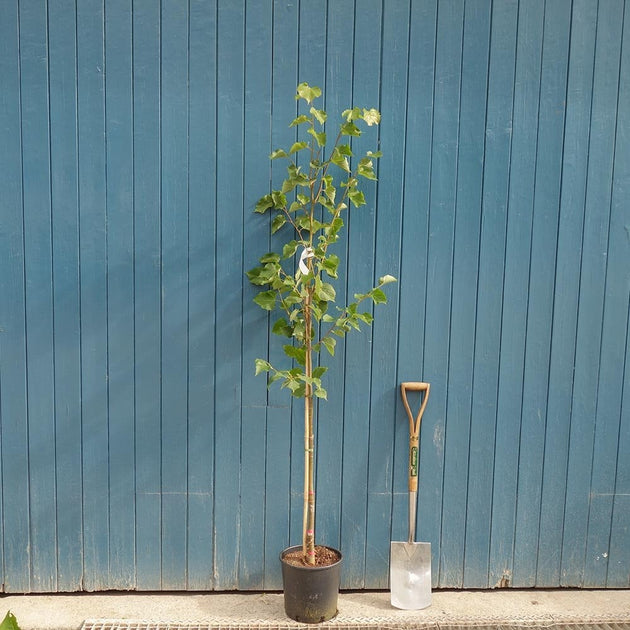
(146, 269)
(571, 221)
(441, 225)
(13, 387)
(229, 282)
(414, 260)
(66, 301)
(120, 324)
(38, 279)
(485, 384)
(93, 279)
(360, 274)
(619, 555)
(134, 139)
(468, 217)
(283, 487)
(614, 319)
(201, 298)
(174, 131)
(520, 88)
(383, 390)
(540, 304)
(258, 42)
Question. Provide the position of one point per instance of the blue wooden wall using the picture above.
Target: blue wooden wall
(138, 450)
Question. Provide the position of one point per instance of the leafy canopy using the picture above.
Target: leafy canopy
(321, 182)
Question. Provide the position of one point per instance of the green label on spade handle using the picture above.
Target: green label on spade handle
(413, 461)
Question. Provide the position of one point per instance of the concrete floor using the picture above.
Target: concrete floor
(575, 609)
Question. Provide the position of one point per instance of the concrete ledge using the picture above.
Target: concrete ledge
(450, 610)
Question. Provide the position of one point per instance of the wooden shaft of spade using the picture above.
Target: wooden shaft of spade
(414, 428)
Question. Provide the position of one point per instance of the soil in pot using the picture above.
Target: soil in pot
(324, 556)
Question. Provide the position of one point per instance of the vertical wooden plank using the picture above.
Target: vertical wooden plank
(489, 297)
(16, 548)
(475, 53)
(383, 385)
(67, 332)
(147, 310)
(175, 229)
(618, 575)
(446, 113)
(521, 54)
(339, 38)
(540, 304)
(413, 272)
(257, 137)
(93, 277)
(615, 297)
(588, 349)
(283, 500)
(39, 291)
(360, 275)
(229, 285)
(575, 163)
(202, 211)
(120, 307)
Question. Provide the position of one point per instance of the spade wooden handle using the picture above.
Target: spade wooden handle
(414, 428)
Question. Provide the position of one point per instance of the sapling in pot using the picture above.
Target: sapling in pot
(323, 180)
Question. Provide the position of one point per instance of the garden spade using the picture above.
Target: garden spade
(410, 567)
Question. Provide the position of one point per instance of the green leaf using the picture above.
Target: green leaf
(378, 296)
(366, 169)
(266, 300)
(282, 328)
(295, 352)
(9, 622)
(278, 221)
(350, 129)
(299, 120)
(289, 249)
(279, 199)
(262, 366)
(351, 114)
(340, 160)
(297, 146)
(330, 265)
(319, 371)
(278, 153)
(386, 279)
(308, 93)
(299, 391)
(345, 149)
(255, 276)
(334, 226)
(329, 344)
(366, 317)
(271, 257)
(324, 291)
(319, 114)
(320, 392)
(371, 116)
(319, 137)
(263, 204)
(356, 197)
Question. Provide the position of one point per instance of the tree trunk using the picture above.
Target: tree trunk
(308, 527)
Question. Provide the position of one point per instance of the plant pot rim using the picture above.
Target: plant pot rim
(306, 567)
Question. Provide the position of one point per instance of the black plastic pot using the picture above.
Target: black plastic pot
(310, 593)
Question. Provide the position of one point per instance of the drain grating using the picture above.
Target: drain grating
(361, 624)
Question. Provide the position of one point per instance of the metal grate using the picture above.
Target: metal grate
(546, 622)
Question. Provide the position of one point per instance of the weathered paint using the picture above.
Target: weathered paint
(139, 451)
